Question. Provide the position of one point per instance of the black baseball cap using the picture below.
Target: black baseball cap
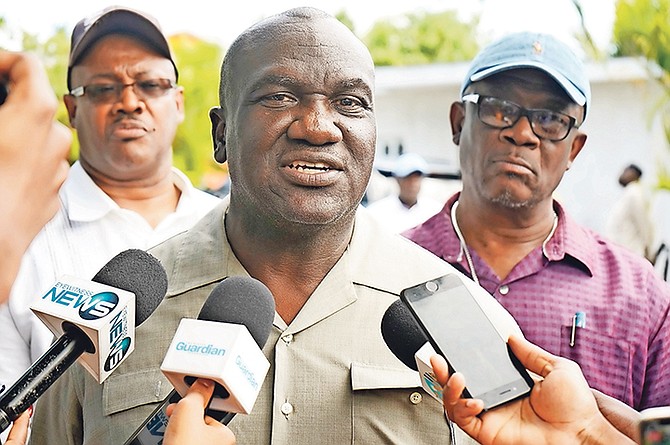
(117, 20)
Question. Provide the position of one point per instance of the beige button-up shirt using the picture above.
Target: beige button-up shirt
(332, 378)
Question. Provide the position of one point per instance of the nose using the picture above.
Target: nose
(521, 133)
(315, 122)
(128, 100)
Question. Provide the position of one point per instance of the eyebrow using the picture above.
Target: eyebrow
(287, 81)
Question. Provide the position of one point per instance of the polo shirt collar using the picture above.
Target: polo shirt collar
(84, 201)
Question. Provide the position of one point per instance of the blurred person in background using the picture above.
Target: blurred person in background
(629, 223)
(407, 207)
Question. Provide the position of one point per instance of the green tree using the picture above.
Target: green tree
(343, 17)
(423, 38)
(198, 62)
(642, 28)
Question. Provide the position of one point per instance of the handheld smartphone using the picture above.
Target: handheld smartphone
(655, 426)
(459, 330)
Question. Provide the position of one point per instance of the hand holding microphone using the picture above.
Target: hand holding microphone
(188, 423)
(102, 324)
(223, 345)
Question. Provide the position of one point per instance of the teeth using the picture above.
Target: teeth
(310, 166)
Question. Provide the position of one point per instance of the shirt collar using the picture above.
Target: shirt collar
(569, 239)
(84, 201)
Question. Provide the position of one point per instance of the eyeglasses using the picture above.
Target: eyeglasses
(499, 113)
(105, 93)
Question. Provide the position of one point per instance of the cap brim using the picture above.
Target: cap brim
(563, 81)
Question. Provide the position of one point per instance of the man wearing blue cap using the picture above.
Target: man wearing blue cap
(572, 292)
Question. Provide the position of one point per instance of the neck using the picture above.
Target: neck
(502, 238)
(290, 259)
(407, 202)
(152, 197)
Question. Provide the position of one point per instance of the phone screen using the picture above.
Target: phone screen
(459, 329)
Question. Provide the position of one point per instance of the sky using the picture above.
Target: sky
(221, 21)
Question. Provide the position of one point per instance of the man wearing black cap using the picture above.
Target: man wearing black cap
(572, 292)
(123, 192)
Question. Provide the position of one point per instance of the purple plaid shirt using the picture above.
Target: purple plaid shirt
(624, 347)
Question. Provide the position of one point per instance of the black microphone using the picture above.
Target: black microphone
(236, 303)
(132, 270)
(402, 334)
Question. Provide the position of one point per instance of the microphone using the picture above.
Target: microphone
(97, 317)
(224, 345)
(410, 345)
(402, 334)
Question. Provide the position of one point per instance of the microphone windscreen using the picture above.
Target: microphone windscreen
(242, 300)
(402, 334)
(136, 271)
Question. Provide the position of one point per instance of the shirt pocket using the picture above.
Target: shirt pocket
(389, 406)
(122, 392)
(605, 361)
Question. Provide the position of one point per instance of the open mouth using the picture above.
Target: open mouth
(310, 167)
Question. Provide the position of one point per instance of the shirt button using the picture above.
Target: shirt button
(286, 408)
(504, 289)
(288, 338)
(415, 398)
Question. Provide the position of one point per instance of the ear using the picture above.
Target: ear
(71, 105)
(179, 98)
(216, 116)
(456, 118)
(577, 144)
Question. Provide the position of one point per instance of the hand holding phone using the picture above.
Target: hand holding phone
(460, 331)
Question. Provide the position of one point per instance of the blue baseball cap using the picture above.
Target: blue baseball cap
(533, 50)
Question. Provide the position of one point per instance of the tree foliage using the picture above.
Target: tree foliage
(422, 38)
(198, 62)
(642, 28)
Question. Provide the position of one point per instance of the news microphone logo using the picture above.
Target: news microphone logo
(223, 352)
(98, 306)
(104, 313)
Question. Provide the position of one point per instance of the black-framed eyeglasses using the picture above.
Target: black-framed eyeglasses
(499, 113)
(110, 92)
